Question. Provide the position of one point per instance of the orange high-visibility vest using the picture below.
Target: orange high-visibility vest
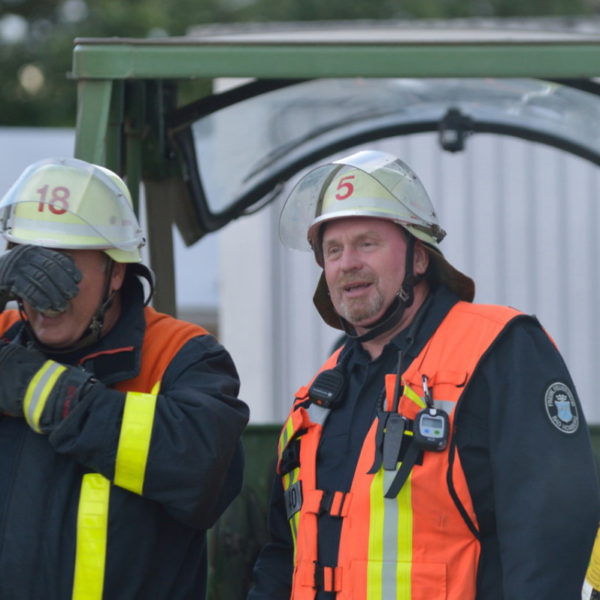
(164, 337)
(423, 543)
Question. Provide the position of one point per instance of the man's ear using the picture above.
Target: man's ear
(420, 259)
(117, 276)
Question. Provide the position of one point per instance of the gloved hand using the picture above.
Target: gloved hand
(41, 390)
(44, 278)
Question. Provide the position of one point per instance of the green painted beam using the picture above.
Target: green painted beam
(93, 107)
(167, 61)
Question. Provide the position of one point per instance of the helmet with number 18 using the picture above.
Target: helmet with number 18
(68, 203)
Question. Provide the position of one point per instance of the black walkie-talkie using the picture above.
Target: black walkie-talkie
(327, 389)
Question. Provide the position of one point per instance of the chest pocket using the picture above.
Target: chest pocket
(394, 441)
(445, 388)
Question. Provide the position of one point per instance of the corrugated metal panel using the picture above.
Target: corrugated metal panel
(521, 219)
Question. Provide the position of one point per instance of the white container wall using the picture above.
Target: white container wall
(521, 219)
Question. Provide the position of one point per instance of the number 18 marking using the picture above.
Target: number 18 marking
(58, 202)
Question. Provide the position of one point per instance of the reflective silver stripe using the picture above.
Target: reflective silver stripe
(447, 406)
(390, 541)
(38, 390)
(318, 414)
(112, 234)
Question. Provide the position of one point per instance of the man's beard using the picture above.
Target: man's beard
(361, 311)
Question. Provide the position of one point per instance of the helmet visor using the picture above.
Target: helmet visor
(366, 184)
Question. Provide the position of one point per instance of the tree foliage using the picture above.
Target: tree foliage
(36, 36)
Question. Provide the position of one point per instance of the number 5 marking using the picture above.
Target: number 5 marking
(345, 188)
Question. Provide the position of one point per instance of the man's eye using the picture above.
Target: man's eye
(332, 251)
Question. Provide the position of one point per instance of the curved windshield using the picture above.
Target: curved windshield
(243, 149)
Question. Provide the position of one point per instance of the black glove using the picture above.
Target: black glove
(44, 278)
(41, 390)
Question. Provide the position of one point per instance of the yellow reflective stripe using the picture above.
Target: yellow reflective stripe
(134, 440)
(376, 524)
(290, 478)
(412, 395)
(405, 540)
(38, 390)
(593, 572)
(389, 560)
(286, 432)
(92, 526)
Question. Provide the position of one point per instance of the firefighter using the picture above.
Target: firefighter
(442, 452)
(120, 425)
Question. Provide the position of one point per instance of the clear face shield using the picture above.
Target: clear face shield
(365, 184)
(71, 204)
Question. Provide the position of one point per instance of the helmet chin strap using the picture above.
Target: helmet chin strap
(395, 311)
(93, 331)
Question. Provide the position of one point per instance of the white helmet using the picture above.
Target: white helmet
(68, 203)
(365, 184)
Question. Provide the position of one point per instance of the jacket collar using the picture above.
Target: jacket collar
(411, 340)
(117, 355)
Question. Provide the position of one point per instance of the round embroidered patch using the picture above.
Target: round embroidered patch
(561, 407)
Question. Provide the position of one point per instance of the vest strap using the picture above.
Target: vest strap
(333, 503)
(336, 504)
(328, 579)
(319, 577)
(290, 457)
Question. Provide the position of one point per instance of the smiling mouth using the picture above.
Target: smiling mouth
(355, 287)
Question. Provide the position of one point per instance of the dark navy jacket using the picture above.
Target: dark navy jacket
(534, 487)
(156, 547)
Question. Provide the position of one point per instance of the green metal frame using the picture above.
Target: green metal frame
(184, 57)
(120, 106)
(119, 110)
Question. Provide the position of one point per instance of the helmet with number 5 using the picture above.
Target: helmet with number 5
(68, 203)
(366, 184)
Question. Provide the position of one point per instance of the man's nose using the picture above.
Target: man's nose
(350, 259)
